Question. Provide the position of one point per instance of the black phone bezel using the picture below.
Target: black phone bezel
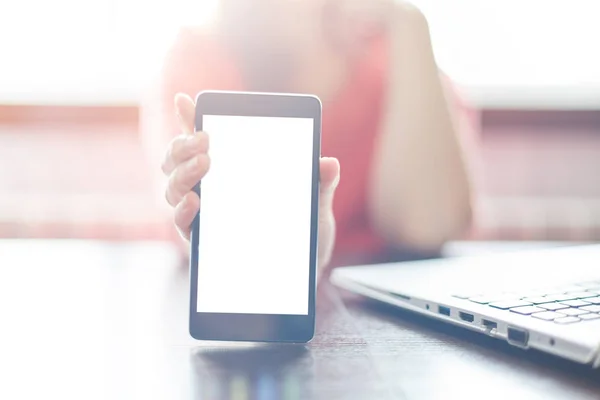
(258, 327)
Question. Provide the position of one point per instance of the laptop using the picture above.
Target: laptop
(547, 299)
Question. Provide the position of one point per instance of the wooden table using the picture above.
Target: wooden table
(93, 320)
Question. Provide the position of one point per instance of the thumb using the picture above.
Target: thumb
(330, 176)
(185, 110)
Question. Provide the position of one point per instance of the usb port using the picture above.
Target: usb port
(444, 310)
(466, 316)
(489, 324)
(518, 337)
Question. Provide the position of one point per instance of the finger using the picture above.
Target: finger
(329, 179)
(185, 176)
(330, 175)
(185, 109)
(182, 148)
(185, 212)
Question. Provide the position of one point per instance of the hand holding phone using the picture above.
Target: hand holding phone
(187, 162)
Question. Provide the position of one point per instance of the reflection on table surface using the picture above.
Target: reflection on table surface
(265, 372)
(109, 321)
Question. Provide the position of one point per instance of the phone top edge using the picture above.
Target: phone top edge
(274, 94)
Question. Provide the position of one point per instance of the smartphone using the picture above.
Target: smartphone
(253, 255)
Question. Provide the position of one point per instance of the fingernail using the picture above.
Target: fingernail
(193, 140)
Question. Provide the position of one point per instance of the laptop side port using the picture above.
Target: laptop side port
(444, 310)
(489, 325)
(466, 316)
(518, 337)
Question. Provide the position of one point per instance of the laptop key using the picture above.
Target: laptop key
(562, 297)
(492, 298)
(589, 317)
(573, 311)
(553, 306)
(538, 300)
(505, 305)
(591, 308)
(526, 310)
(548, 315)
(481, 299)
(572, 288)
(593, 300)
(582, 295)
(575, 303)
(567, 320)
(461, 296)
(536, 293)
(589, 285)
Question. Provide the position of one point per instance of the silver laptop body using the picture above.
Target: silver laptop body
(547, 300)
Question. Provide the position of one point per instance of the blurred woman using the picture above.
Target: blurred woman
(389, 115)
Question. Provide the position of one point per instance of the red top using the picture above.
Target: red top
(350, 124)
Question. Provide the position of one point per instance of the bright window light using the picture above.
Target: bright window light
(88, 51)
(106, 51)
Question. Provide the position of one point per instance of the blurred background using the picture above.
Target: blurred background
(72, 73)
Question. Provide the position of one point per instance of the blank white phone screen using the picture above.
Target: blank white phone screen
(255, 218)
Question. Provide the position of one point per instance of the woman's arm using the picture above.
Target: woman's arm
(420, 194)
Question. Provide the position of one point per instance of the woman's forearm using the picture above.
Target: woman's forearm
(420, 192)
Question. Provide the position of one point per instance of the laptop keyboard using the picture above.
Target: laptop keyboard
(561, 305)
